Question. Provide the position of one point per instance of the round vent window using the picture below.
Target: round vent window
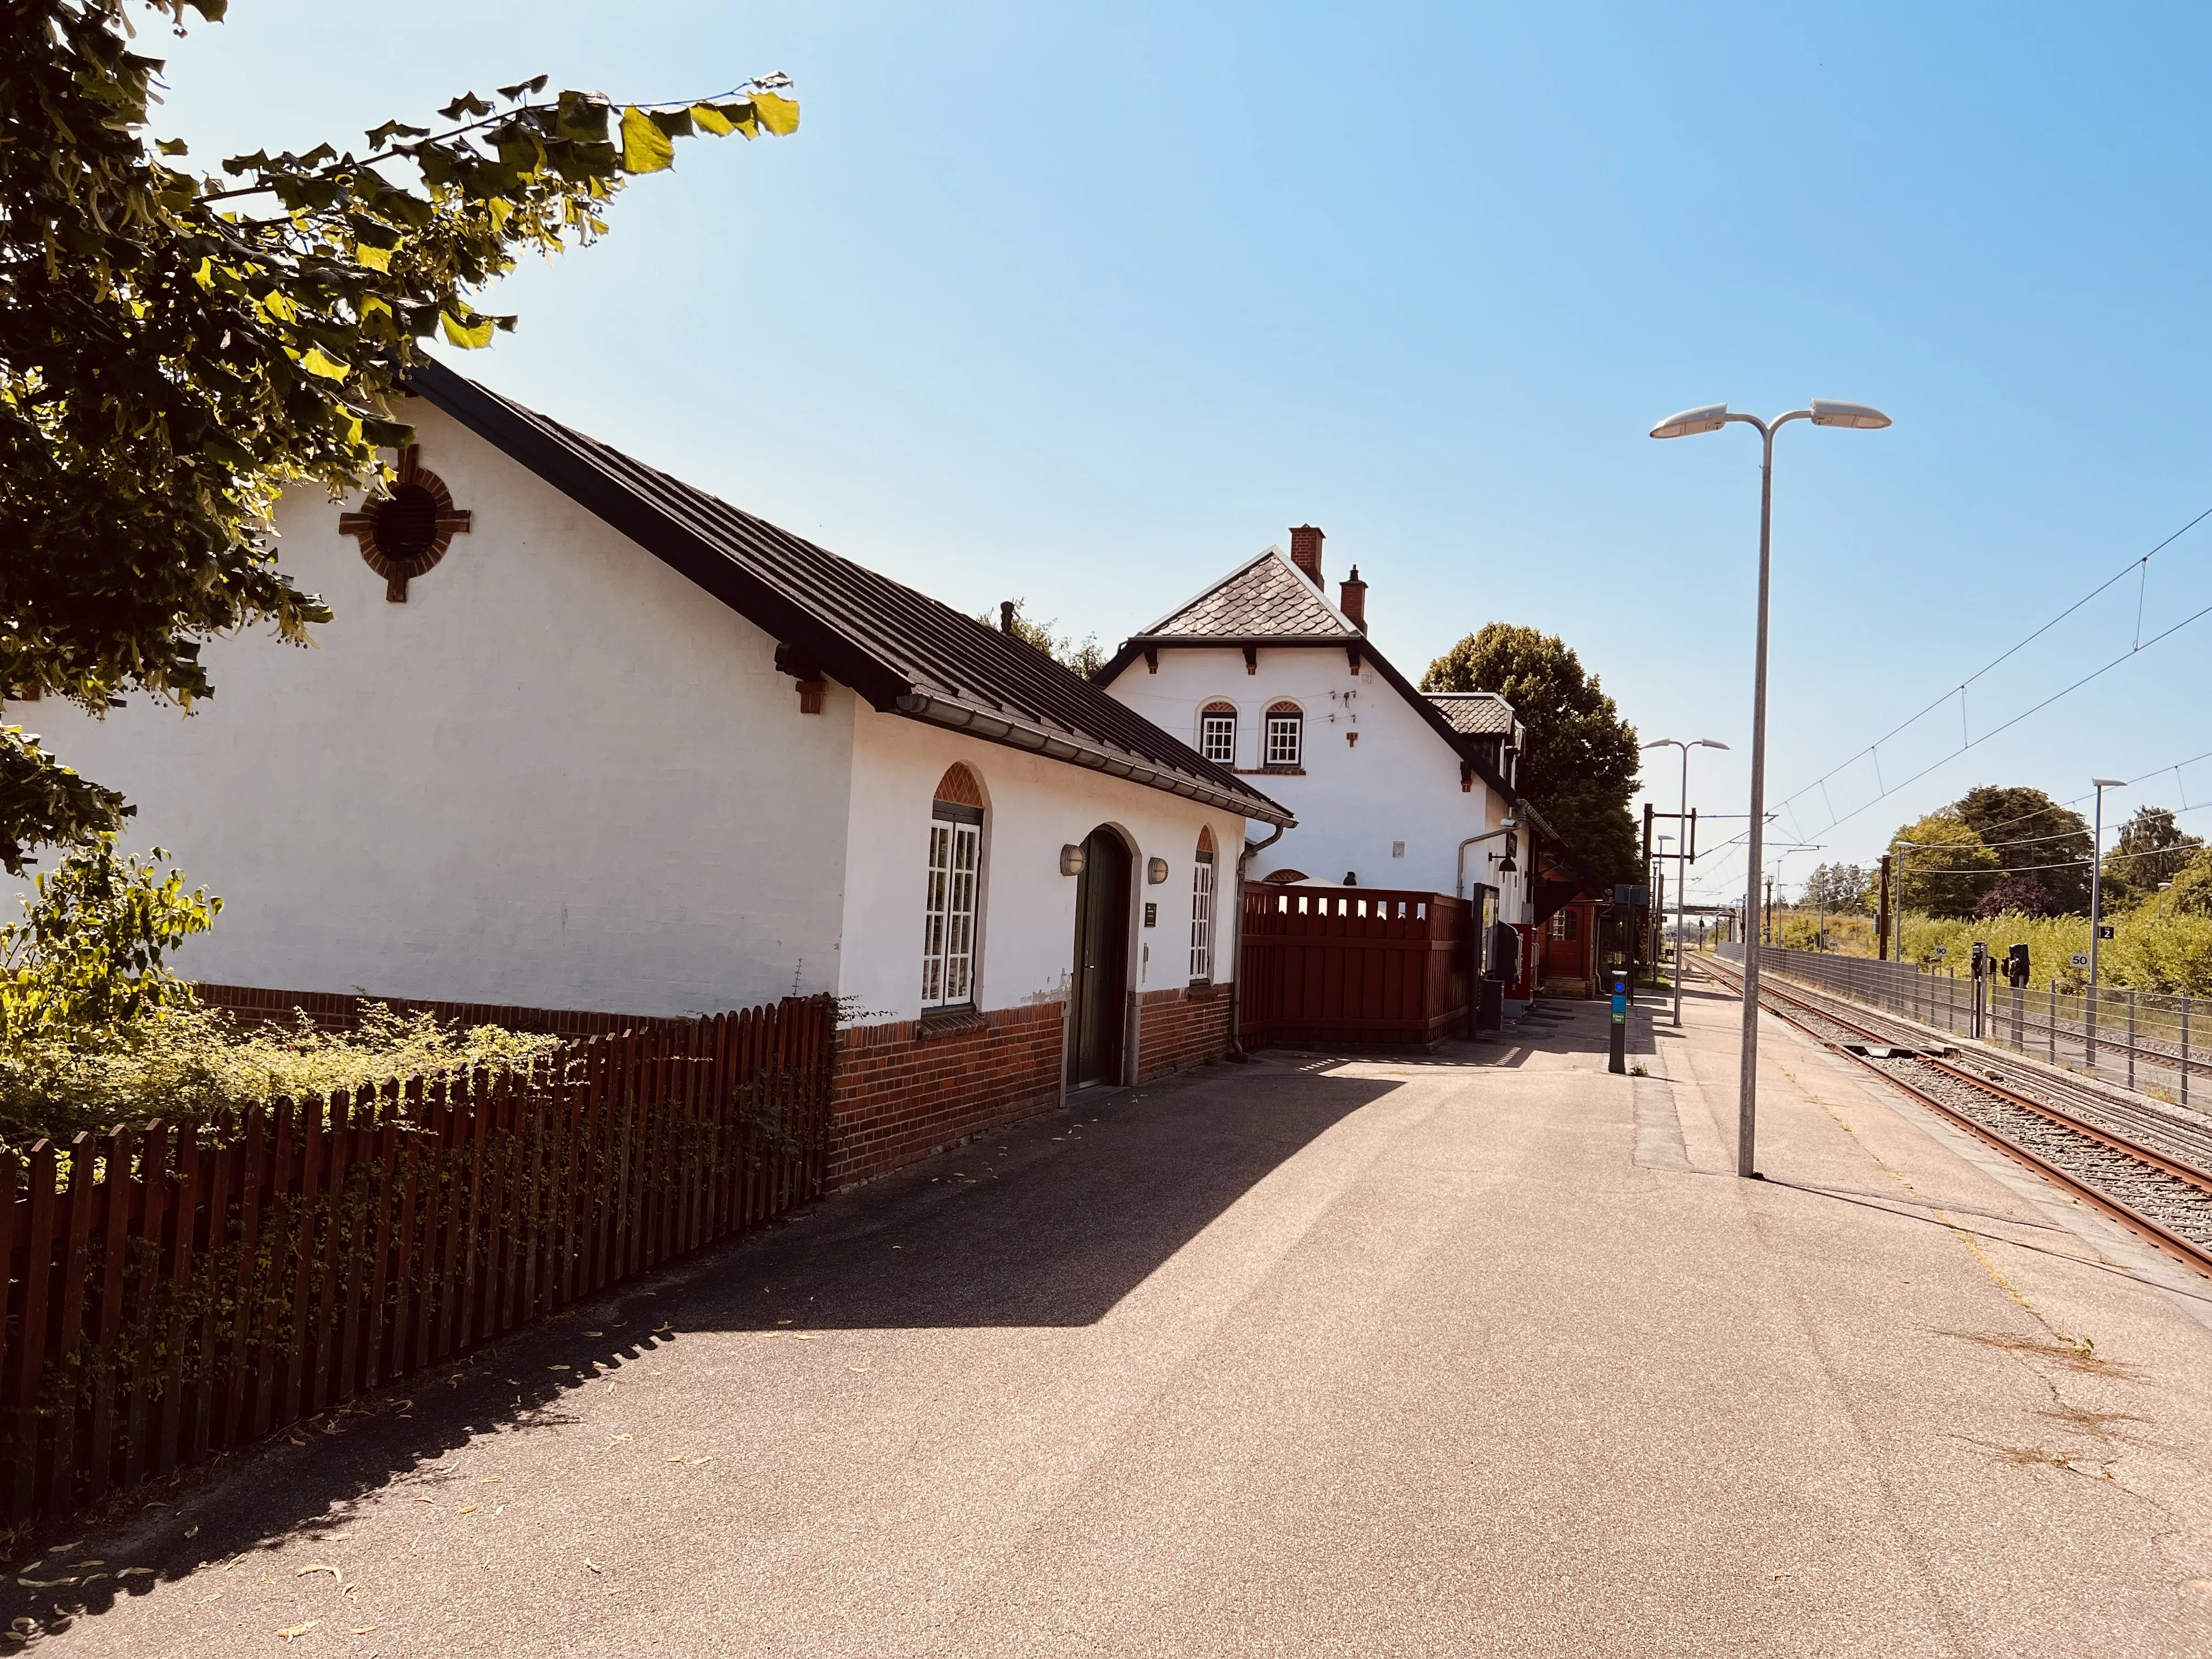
(406, 522)
(404, 531)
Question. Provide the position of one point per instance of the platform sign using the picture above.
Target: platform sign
(2080, 958)
(2106, 930)
(1940, 952)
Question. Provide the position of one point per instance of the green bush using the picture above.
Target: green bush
(192, 1062)
(97, 1032)
(2149, 951)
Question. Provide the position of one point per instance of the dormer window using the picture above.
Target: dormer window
(1286, 728)
(1217, 733)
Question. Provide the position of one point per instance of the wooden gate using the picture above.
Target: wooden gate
(1353, 966)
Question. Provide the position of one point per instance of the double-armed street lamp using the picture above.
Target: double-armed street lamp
(1682, 870)
(1823, 412)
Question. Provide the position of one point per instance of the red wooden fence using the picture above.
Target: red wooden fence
(192, 1287)
(1355, 965)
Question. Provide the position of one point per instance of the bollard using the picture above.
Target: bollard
(1618, 1062)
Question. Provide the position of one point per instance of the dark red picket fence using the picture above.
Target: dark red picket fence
(192, 1287)
(1352, 965)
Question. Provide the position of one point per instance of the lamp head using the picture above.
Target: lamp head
(1711, 742)
(1710, 418)
(2110, 783)
(1827, 411)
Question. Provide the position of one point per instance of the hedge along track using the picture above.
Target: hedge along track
(2164, 1199)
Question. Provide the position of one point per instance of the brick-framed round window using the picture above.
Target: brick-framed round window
(405, 531)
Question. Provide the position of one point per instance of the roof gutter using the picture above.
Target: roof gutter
(1082, 752)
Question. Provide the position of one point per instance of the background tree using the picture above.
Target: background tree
(2032, 833)
(176, 350)
(1841, 889)
(1947, 870)
(1579, 769)
(2151, 849)
(2191, 893)
(1081, 656)
(2020, 896)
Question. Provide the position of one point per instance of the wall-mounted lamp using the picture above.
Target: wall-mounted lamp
(1156, 871)
(1071, 859)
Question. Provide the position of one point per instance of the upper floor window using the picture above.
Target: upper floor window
(1217, 734)
(1201, 911)
(1286, 728)
(948, 933)
(1563, 925)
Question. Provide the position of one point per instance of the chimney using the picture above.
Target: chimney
(1005, 616)
(1354, 602)
(1305, 551)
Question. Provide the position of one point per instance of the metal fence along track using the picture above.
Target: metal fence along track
(2148, 1166)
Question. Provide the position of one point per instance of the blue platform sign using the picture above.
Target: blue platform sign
(1619, 1005)
(1634, 898)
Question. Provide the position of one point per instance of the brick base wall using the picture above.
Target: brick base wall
(336, 1011)
(910, 1088)
(1181, 1028)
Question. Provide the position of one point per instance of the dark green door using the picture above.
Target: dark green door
(1097, 998)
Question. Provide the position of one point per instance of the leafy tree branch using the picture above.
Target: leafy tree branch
(177, 349)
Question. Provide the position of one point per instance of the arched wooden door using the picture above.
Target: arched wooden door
(1098, 997)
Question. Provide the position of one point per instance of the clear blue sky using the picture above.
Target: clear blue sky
(1082, 304)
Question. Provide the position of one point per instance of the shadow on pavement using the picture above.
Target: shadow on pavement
(1051, 1222)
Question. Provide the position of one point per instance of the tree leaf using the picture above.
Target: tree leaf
(173, 147)
(472, 334)
(646, 148)
(376, 259)
(315, 363)
(779, 115)
(707, 116)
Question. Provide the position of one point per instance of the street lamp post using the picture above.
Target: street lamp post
(1711, 418)
(2096, 915)
(1681, 873)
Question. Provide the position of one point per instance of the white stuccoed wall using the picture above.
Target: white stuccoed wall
(1400, 783)
(559, 775)
(1034, 808)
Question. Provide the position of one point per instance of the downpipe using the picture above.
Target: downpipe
(1252, 848)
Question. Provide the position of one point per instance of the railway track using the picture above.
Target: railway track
(2149, 1169)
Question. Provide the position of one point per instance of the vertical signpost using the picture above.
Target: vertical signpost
(1619, 1060)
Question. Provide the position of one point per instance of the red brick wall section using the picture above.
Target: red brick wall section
(1180, 1029)
(335, 1011)
(910, 1088)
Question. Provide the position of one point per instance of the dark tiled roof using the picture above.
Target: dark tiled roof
(1270, 595)
(902, 650)
(1474, 713)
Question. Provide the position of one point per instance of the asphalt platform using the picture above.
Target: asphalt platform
(1482, 1353)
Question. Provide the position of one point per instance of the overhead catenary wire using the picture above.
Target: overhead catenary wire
(2139, 565)
(1704, 879)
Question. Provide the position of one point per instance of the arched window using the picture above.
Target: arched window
(1201, 911)
(1217, 733)
(1286, 731)
(948, 933)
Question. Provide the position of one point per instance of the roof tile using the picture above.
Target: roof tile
(1477, 713)
(901, 638)
(1267, 596)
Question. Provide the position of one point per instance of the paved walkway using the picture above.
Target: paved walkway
(1481, 1354)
